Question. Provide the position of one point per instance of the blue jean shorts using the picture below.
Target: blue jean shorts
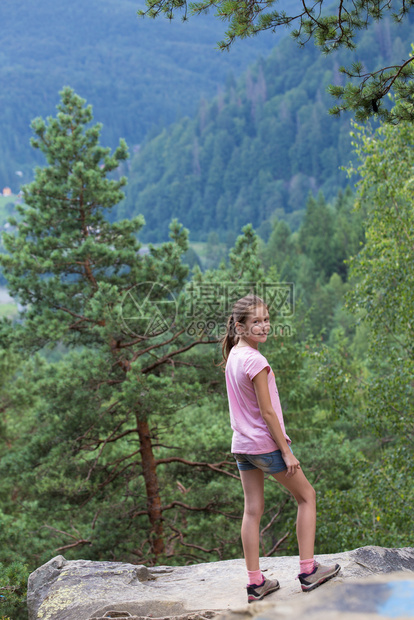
(269, 463)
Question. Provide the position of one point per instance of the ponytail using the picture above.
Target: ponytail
(230, 338)
(241, 311)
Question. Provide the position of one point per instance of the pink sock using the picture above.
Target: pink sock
(255, 577)
(306, 566)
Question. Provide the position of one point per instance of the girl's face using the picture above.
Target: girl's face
(256, 327)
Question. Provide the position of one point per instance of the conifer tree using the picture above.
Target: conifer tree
(84, 285)
(104, 346)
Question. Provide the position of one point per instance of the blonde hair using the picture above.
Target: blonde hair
(241, 310)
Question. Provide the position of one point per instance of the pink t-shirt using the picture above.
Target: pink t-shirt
(250, 432)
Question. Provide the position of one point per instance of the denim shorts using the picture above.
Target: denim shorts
(269, 463)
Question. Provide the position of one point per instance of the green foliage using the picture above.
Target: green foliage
(382, 295)
(87, 441)
(378, 386)
(315, 259)
(13, 580)
(367, 98)
(102, 385)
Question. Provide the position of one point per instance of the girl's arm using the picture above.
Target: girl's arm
(269, 416)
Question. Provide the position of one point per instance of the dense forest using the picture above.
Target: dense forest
(258, 149)
(114, 436)
(123, 64)
(274, 117)
(114, 427)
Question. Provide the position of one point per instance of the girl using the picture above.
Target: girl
(261, 446)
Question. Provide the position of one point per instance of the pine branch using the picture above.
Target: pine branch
(152, 347)
(208, 507)
(212, 466)
(192, 546)
(101, 415)
(187, 506)
(273, 519)
(75, 544)
(168, 357)
(277, 545)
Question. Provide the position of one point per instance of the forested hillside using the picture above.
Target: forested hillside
(123, 64)
(257, 149)
(114, 427)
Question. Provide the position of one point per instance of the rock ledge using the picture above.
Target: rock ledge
(84, 590)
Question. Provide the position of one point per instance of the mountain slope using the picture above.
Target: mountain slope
(139, 74)
(259, 148)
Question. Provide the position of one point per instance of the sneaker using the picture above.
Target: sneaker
(318, 576)
(256, 593)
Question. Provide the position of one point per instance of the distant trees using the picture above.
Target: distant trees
(237, 162)
(331, 27)
(315, 257)
(240, 163)
(110, 57)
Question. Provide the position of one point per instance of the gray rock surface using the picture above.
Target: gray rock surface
(83, 590)
(369, 598)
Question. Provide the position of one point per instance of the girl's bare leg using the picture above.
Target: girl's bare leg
(304, 493)
(253, 487)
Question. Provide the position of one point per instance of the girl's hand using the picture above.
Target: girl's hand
(291, 463)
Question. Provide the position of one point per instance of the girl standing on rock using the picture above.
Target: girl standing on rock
(261, 446)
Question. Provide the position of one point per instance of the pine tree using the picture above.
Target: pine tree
(84, 285)
(64, 249)
(105, 345)
(316, 234)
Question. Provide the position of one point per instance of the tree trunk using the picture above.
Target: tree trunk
(152, 488)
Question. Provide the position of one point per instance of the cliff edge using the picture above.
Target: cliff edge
(374, 583)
